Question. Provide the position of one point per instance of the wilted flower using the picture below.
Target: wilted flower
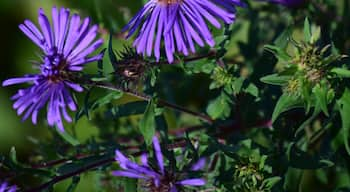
(66, 46)
(4, 187)
(131, 67)
(180, 24)
(290, 3)
(156, 180)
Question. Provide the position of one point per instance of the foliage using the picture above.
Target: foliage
(267, 107)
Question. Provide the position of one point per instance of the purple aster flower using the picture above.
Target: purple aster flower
(158, 179)
(290, 3)
(180, 24)
(4, 187)
(66, 46)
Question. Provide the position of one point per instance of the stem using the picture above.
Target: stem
(74, 173)
(160, 102)
(181, 131)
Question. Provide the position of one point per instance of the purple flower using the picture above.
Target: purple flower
(4, 187)
(66, 46)
(156, 179)
(290, 3)
(180, 24)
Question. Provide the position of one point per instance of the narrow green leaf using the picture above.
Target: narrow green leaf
(344, 108)
(148, 123)
(314, 115)
(100, 64)
(99, 79)
(107, 99)
(307, 30)
(341, 72)
(285, 103)
(270, 182)
(275, 79)
(13, 155)
(112, 56)
(278, 52)
(68, 138)
(321, 98)
(316, 34)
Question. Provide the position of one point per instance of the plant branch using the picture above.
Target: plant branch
(160, 102)
(74, 173)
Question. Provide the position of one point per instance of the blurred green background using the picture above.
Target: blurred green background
(17, 51)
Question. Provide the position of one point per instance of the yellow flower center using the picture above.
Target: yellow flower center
(169, 2)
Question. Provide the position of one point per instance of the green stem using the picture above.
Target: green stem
(160, 102)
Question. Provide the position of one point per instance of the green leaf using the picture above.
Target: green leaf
(99, 79)
(285, 103)
(221, 38)
(321, 93)
(68, 138)
(307, 30)
(344, 108)
(107, 99)
(148, 123)
(316, 34)
(276, 79)
(314, 115)
(220, 107)
(237, 85)
(90, 106)
(270, 182)
(13, 155)
(112, 56)
(252, 89)
(100, 64)
(132, 108)
(283, 39)
(278, 52)
(73, 186)
(341, 72)
(154, 71)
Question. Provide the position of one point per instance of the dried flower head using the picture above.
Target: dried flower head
(66, 45)
(131, 66)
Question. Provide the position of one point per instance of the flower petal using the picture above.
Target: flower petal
(128, 174)
(199, 165)
(192, 182)
(158, 154)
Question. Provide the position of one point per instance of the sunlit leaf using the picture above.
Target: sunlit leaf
(285, 103)
(148, 123)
